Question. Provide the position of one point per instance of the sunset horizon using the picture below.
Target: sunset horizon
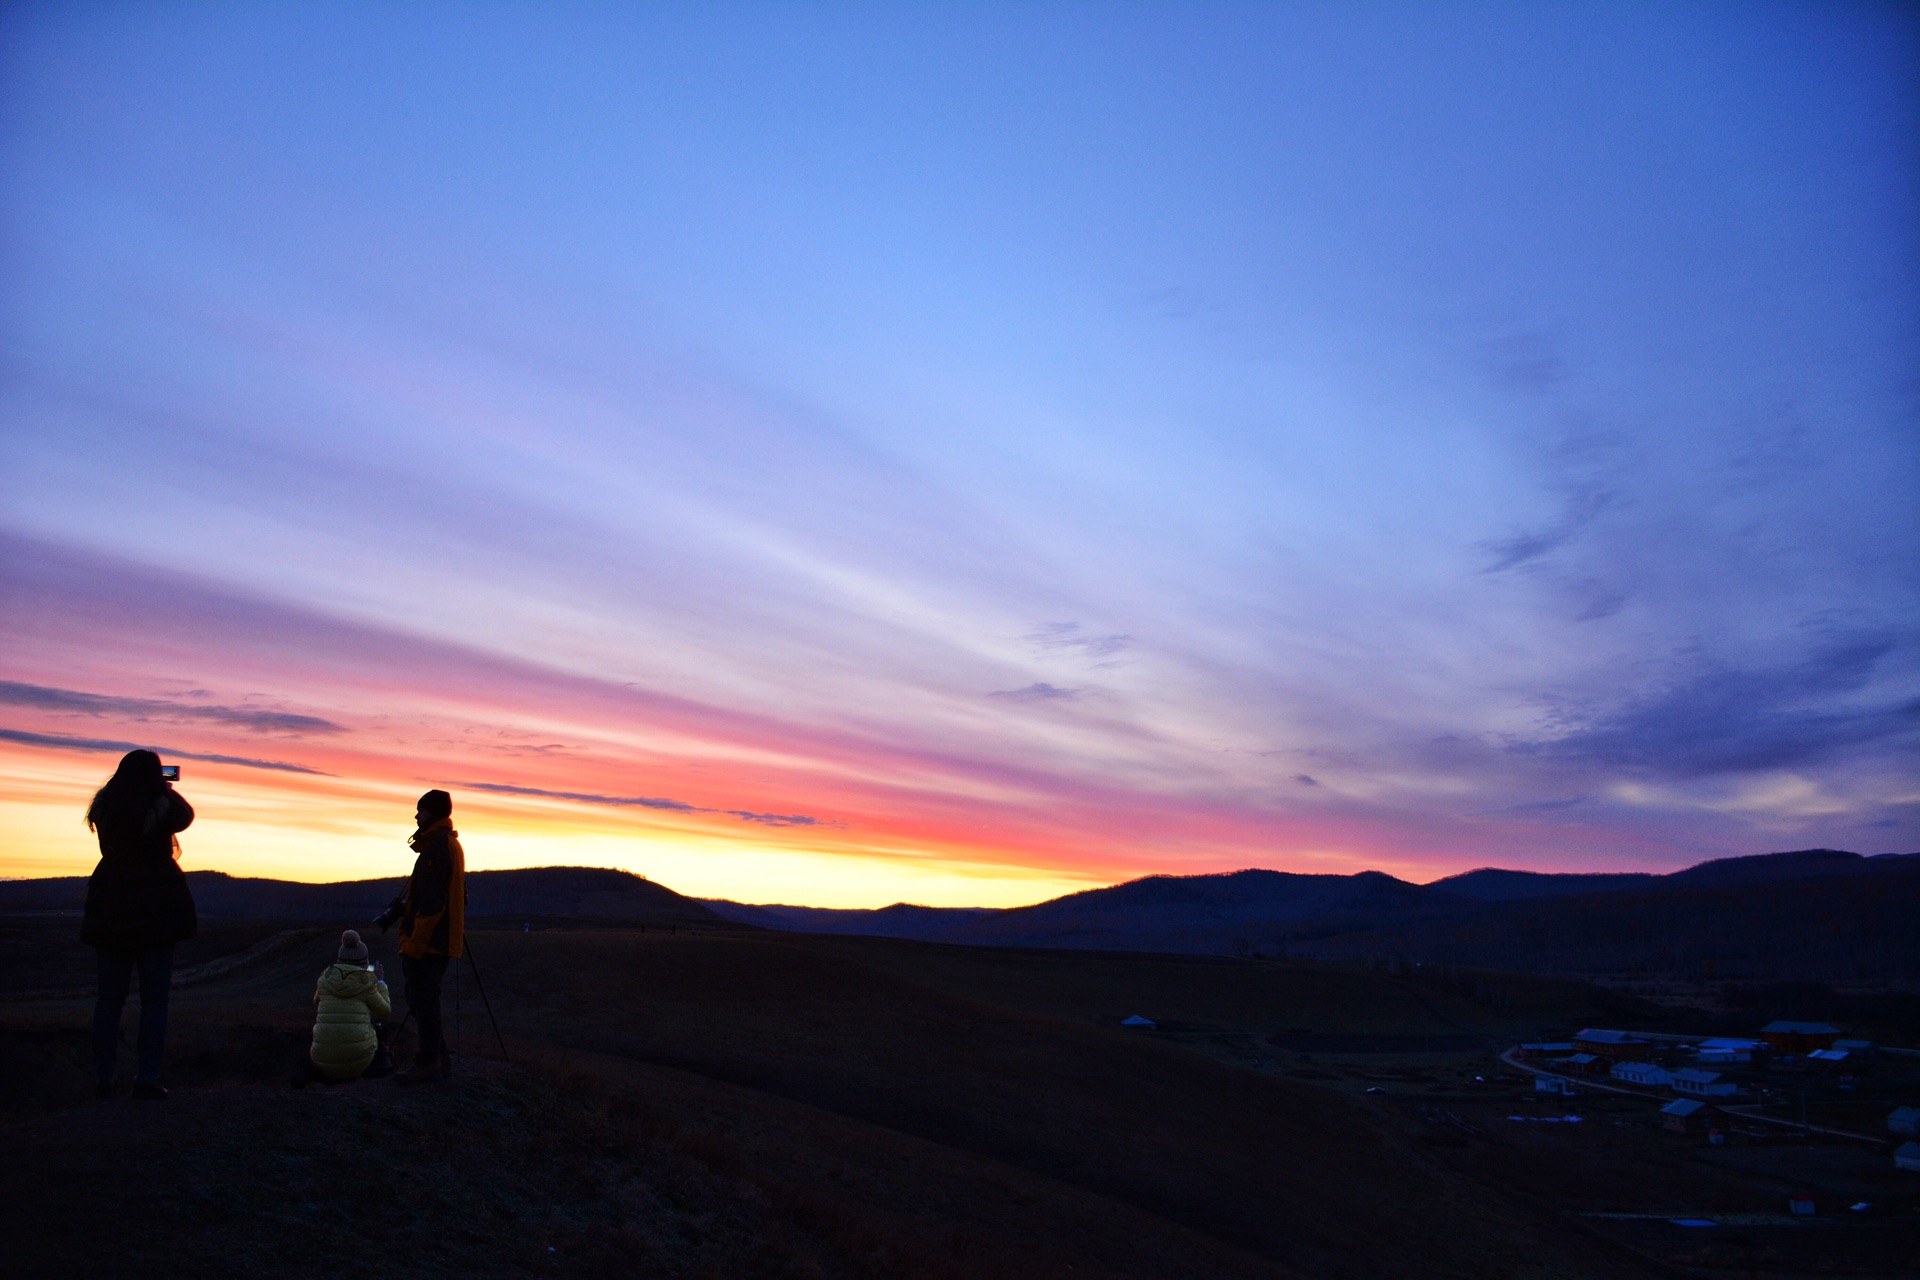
(962, 456)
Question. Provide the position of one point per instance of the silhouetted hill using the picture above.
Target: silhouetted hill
(1819, 919)
(1492, 884)
(1810, 914)
(901, 920)
(1214, 913)
(773, 1106)
(584, 893)
(1772, 868)
(1815, 914)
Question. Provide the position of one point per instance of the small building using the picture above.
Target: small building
(1904, 1120)
(1137, 1021)
(1695, 1083)
(1907, 1156)
(1858, 1048)
(1684, 1115)
(1725, 1050)
(1645, 1074)
(1799, 1037)
(1832, 1059)
(1585, 1064)
(1800, 1202)
(1614, 1046)
(1544, 1083)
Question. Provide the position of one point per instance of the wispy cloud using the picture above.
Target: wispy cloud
(1510, 552)
(1072, 638)
(67, 743)
(1740, 720)
(774, 819)
(1524, 362)
(74, 701)
(1540, 806)
(1039, 692)
(644, 802)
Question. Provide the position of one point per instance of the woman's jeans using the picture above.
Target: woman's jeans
(155, 966)
(424, 975)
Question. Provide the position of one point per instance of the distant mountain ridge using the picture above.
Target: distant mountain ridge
(1811, 913)
(1493, 884)
(585, 893)
(901, 920)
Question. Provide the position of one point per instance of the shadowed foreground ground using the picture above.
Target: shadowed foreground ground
(745, 1104)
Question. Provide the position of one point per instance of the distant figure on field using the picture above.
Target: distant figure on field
(138, 907)
(432, 915)
(350, 998)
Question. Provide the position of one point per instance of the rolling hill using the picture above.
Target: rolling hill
(1814, 915)
(535, 893)
(735, 1102)
(1817, 914)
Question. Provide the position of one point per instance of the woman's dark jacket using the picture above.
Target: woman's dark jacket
(138, 896)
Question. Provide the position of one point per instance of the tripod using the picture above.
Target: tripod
(467, 949)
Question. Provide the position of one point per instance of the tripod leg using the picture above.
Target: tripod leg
(480, 983)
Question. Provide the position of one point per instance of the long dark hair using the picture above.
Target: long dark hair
(129, 794)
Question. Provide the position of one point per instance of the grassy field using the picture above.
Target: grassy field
(735, 1103)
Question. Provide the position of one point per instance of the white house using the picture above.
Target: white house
(1721, 1050)
(1544, 1083)
(1696, 1083)
(1904, 1120)
(1645, 1074)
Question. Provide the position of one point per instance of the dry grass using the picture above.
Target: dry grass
(736, 1104)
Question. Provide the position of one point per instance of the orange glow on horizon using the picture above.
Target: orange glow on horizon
(331, 728)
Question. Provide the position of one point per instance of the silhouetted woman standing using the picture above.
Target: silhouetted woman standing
(138, 906)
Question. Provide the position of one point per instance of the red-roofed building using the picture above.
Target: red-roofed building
(1614, 1046)
(1799, 1037)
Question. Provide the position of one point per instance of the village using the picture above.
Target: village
(1805, 1076)
(1791, 1150)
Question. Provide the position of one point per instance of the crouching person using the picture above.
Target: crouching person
(348, 1002)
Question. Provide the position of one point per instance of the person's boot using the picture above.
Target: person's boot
(421, 1072)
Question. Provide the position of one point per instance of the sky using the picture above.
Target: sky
(963, 453)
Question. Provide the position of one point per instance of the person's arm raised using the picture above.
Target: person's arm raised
(179, 812)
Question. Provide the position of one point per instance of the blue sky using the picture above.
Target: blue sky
(1139, 437)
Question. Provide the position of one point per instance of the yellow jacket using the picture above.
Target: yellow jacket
(435, 919)
(347, 999)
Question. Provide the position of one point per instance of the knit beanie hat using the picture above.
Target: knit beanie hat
(352, 950)
(436, 804)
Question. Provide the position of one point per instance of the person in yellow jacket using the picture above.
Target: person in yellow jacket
(432, 924)
(349, 998)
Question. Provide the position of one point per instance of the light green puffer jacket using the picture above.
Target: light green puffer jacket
(347, 999)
